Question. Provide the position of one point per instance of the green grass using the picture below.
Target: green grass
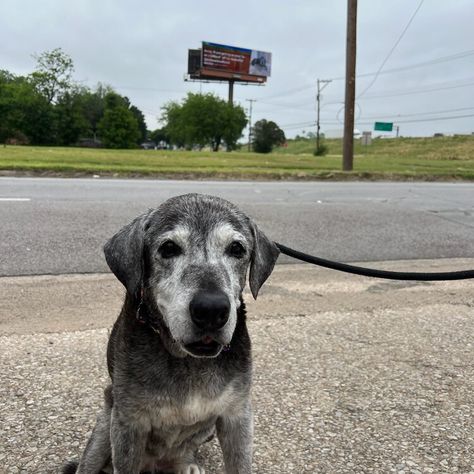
(404, 158)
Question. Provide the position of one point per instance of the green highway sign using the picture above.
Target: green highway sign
(383, 126)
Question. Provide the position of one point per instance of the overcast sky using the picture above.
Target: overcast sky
(140, 48)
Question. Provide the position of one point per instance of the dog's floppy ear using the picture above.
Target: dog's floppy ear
(124, 253)
(263, 258)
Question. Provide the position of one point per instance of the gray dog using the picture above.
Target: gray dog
(179, 353)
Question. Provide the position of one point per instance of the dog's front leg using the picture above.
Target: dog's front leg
(235, 433)
(128, 440)
(96, 455)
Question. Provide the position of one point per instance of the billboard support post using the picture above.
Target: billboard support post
(231, 91)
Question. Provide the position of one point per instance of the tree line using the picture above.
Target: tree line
(47, 107)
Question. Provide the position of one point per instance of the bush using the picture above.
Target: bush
(321, 150)
(266, 135)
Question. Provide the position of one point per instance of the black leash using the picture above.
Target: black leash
(370, 272)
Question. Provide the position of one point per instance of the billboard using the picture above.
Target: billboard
(223, 62)
(236, 60)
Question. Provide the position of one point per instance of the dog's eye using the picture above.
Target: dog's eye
(169, 249)
(236, 249)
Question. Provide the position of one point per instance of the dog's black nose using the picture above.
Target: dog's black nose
(209, 310)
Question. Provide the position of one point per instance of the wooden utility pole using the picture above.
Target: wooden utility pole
(318, 100)
(349, 102)
(250, 121)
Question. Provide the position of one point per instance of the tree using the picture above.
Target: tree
(118, 128)
(160, 136)
(203, 119)
(93, 104)
(25, 113)
(53, 74)
(6, 105)
(172, 116)
(234, 121)
(70, 119)
(140, 118)
(266, 135)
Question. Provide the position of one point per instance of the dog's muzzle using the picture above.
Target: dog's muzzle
(209, 313)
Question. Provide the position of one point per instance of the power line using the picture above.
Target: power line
(289, 91)
(417, 91)
(286, 106)
(298, 125)
(442, 59)
(438, 87)
(137, 88)
(427, 119)
(448, 85)
(365, 121)
(432, 119)
(395, 116)
(392, 49)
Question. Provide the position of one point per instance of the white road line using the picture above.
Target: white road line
(15, 199)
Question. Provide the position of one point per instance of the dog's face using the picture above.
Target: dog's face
(191, 256)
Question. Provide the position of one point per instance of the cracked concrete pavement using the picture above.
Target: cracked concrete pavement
(352, 375)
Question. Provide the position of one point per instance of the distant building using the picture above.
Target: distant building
(89, 143)
(148, 145)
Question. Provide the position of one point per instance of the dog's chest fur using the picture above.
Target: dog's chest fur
(195, 408)
(164, 414)
(176, 427)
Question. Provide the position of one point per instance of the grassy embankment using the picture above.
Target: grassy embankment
(404, 158)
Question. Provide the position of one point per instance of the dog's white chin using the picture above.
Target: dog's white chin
(204, 356)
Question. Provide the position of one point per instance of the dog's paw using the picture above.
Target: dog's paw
(190, 469)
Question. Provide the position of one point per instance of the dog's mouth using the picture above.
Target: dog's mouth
(204, 347)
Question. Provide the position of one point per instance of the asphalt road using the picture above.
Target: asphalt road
(59, 225)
